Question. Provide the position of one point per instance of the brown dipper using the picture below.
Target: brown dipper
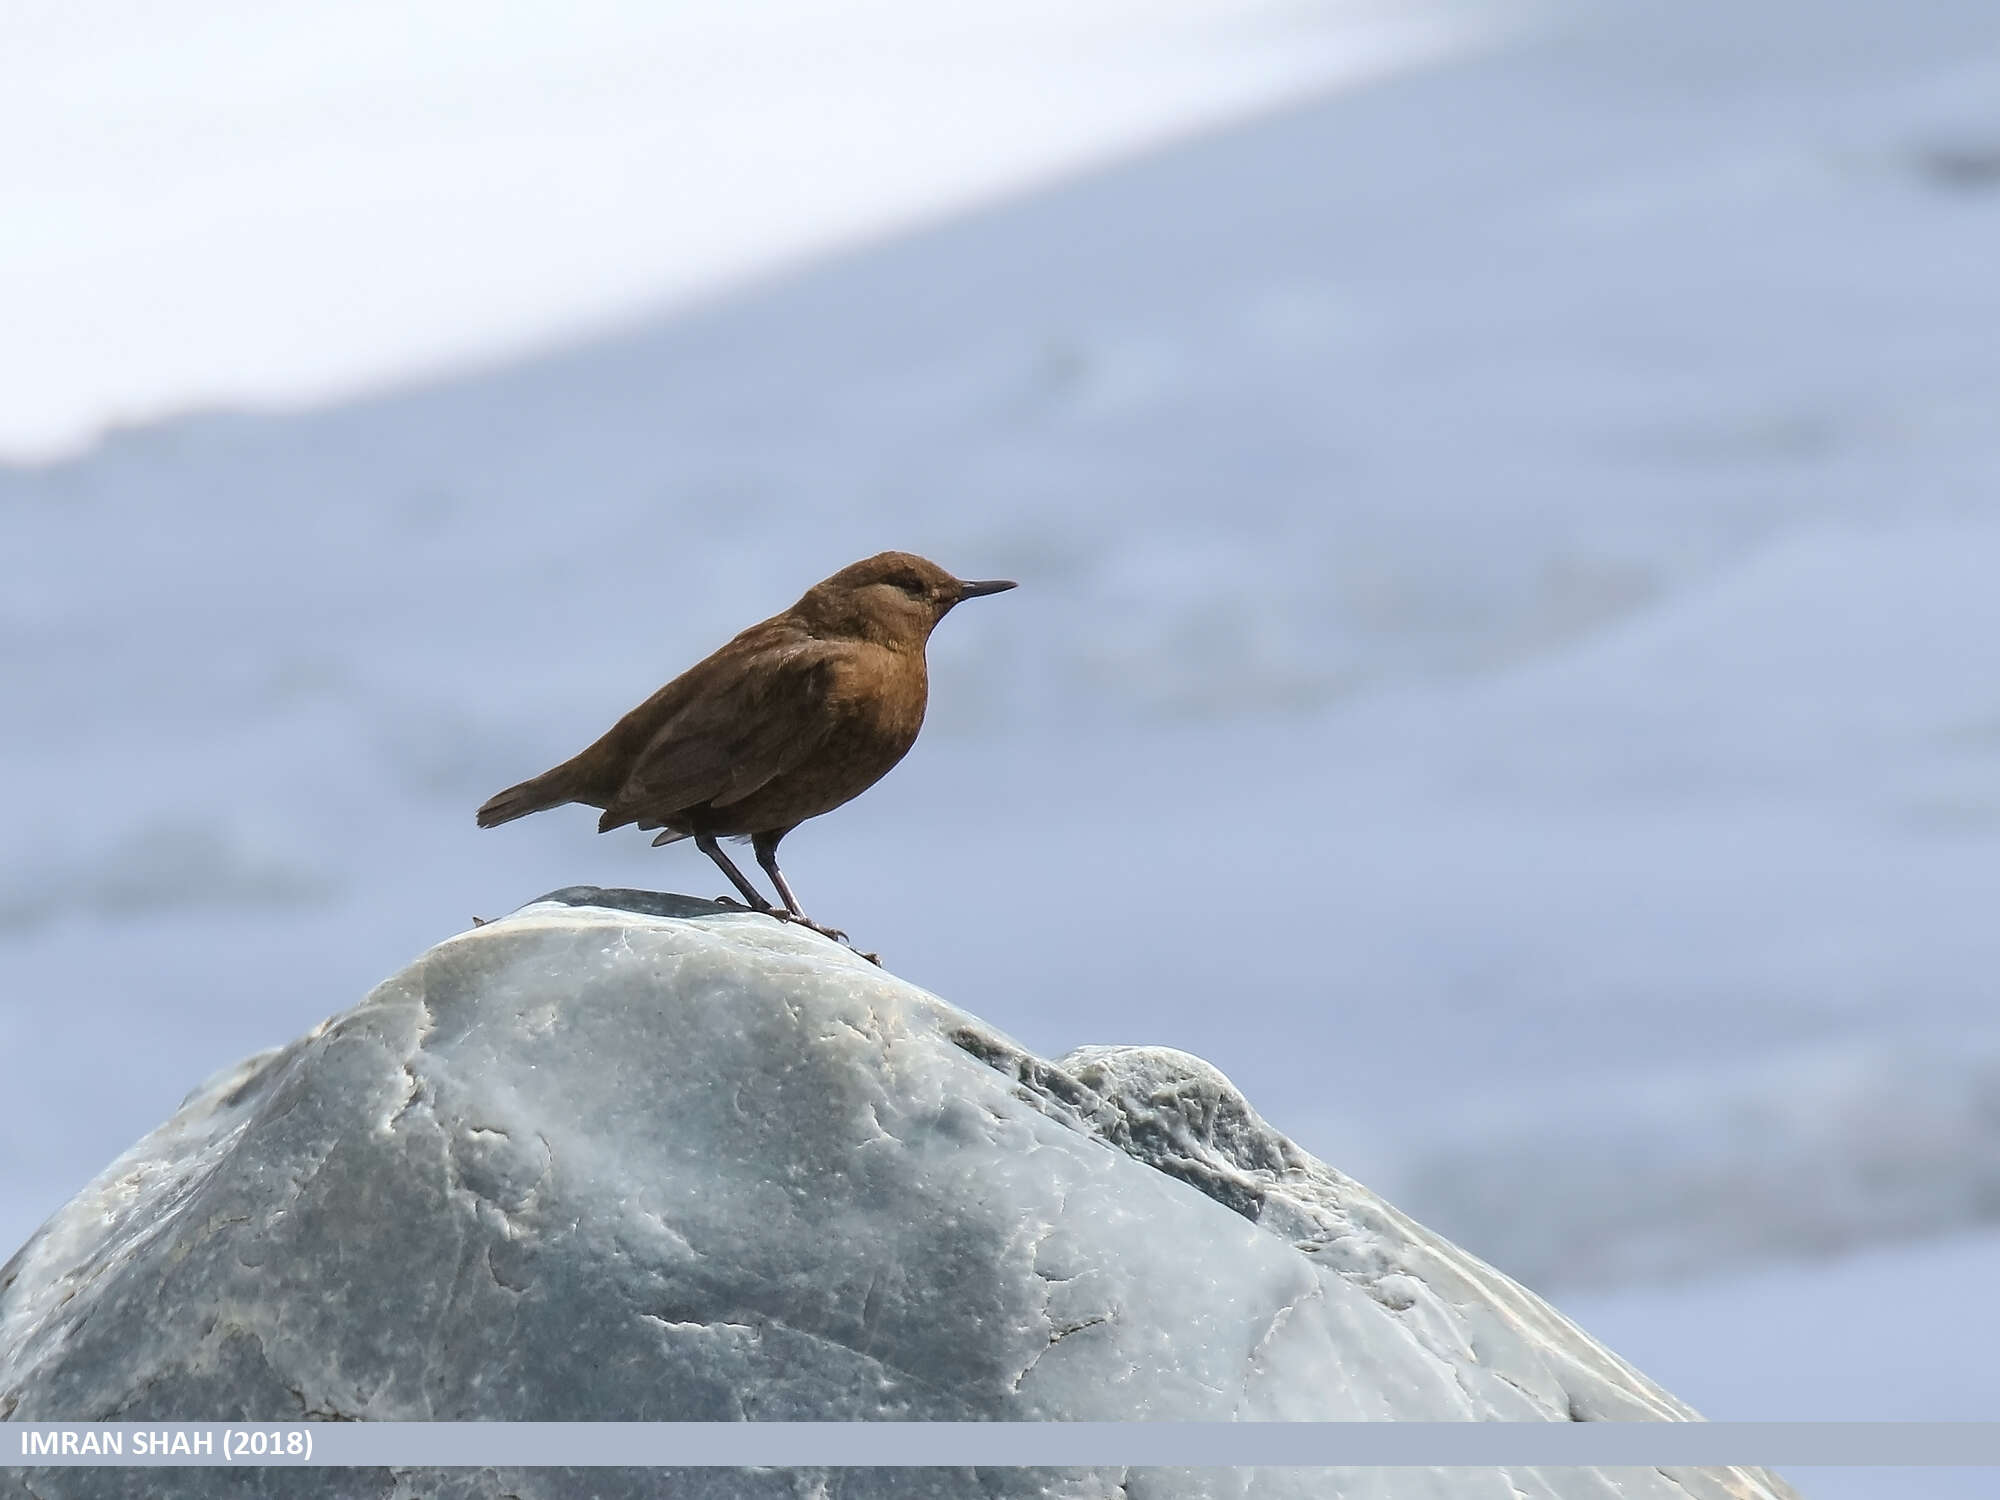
(792, 718)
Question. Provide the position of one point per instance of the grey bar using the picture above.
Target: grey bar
(1012, 1444)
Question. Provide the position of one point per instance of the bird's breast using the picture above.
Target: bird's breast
(878, 699)
(874, 709)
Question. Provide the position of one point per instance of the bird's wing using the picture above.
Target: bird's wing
(760, 720)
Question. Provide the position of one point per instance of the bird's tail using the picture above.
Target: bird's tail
(550, 789)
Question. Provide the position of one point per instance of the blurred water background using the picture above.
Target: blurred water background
(1507, 502)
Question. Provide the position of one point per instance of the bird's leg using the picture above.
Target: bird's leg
(706, 843)
(766, 846)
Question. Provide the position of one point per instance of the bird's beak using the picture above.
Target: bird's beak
(986, 586)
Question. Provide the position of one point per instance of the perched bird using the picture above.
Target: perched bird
(791, 719)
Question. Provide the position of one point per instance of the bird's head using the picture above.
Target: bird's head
(894, 598)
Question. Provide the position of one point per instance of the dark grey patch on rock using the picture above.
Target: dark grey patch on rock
(647, 903)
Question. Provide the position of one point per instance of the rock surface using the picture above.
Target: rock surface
(623, 1156)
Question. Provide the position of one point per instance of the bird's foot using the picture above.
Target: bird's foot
(800, 919)
(837, 935)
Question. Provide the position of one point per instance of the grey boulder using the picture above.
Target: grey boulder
(623, 1156)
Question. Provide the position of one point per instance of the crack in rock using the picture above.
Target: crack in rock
(1057, 1333)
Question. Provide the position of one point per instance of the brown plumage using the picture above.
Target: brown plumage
(797, 715)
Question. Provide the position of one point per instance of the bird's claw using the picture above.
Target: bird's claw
(799, 919)
(837, 935)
